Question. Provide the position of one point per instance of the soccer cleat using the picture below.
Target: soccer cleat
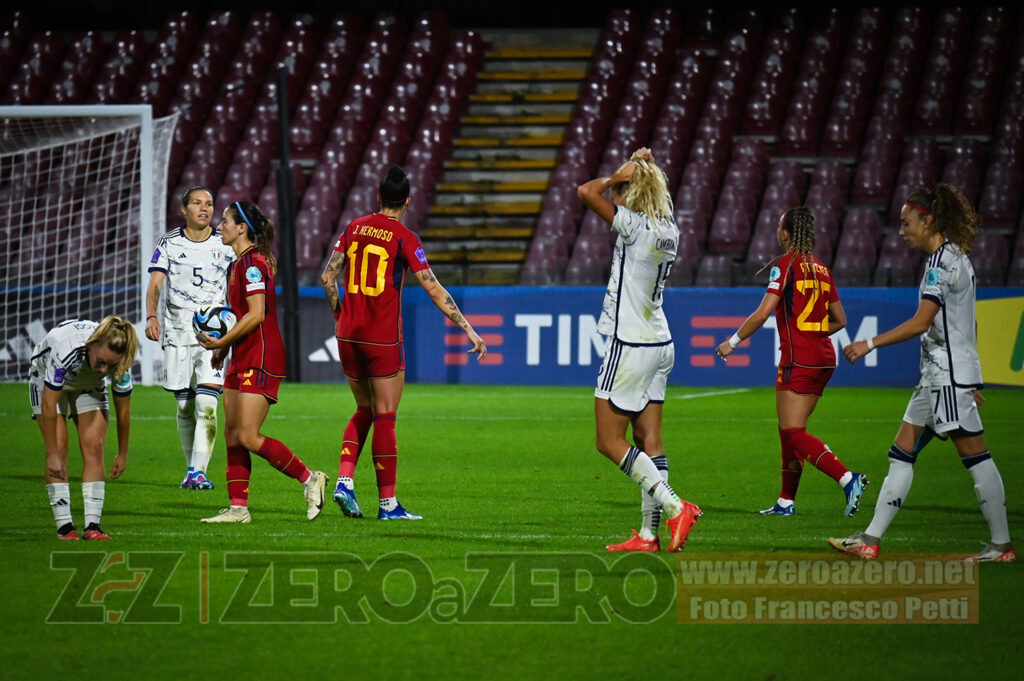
(345, 498)
(187, 482)
(67, 533)
(234, 514)
(854, 545)
(679, 527)
(636, 543)
(398, 514)
(991, 554)
(854, 490)
(94, 533)
(315, 495)
(776, 509)
(200, 481)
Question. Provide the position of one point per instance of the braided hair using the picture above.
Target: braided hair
(260, 229)
(951, 213)
(799, 222)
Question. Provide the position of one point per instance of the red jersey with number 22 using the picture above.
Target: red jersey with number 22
(262, 348)
(806, 290)
(378, 249)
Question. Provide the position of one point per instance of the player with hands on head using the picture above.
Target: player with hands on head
(257, 365)
(193, 262)
(370, 260)
(807, 310)
(68, 378)
(941, 223)
(639, 353)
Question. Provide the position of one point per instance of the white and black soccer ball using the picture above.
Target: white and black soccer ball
(214, 320)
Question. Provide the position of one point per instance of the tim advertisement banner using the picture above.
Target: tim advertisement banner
(548, 336)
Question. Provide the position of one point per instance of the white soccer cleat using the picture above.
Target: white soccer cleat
(235, 514)
(315, 489)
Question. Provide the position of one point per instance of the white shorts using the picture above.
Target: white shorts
(632, 376)
(944, 408)
(187, 366)
(71, 402)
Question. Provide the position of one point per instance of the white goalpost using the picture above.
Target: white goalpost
(82, 202)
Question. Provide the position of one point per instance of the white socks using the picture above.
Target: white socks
(639, 467)
(60, 502)
(186, 422)
(205, 427)
(649, 509)
(92, 499)
(891, 497)
(988, 485)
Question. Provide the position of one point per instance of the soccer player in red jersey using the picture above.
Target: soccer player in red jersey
(371, 258)
(807, 312)
(257, 364)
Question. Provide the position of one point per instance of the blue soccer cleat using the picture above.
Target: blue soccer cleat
(345, 498)
(854, 490)
(188, 482)
(199, 481)
(398, 514)
(776, 509)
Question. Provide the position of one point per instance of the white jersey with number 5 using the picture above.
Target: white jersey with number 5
(644, 253)
(197, 274)
(949, 348)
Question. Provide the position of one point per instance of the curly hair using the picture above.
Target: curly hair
(952, 213)
(260, 229)
(648, 191)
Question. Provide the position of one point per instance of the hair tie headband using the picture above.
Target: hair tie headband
(237, 203)
(919, 209)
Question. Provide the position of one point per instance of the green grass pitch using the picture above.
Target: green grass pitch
(507, 480)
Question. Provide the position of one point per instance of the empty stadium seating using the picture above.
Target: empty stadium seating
(751, 112)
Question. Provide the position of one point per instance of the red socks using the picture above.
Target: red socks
(385, 454)
(791, 470)
(281, 458)
(239, 471)
(353, 440)
(813, 451)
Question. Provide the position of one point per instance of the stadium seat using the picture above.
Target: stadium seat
(990, 257)
(730, 231)
(714, 270)
(897, 263)
(872, 184)
(964, 177)
(865, 222)
(1015, 276)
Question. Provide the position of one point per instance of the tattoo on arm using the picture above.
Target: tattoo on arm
(329, 279)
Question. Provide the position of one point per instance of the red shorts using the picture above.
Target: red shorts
(255, 381)
(803, 380)
(366, 360)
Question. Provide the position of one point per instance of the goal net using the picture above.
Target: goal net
(82, 201)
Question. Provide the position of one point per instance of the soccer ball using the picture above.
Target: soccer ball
(214, 320)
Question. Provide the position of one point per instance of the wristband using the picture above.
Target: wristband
(735, 340)
(871, 344)
(152, 316)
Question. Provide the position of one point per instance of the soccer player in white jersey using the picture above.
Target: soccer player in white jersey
(639, 353)
(193, 261)
(941, 223)
(68, 377)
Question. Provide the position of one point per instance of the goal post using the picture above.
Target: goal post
(82, 201)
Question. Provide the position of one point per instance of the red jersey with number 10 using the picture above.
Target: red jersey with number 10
(806, 289)
(262, 348)
(378, 249)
